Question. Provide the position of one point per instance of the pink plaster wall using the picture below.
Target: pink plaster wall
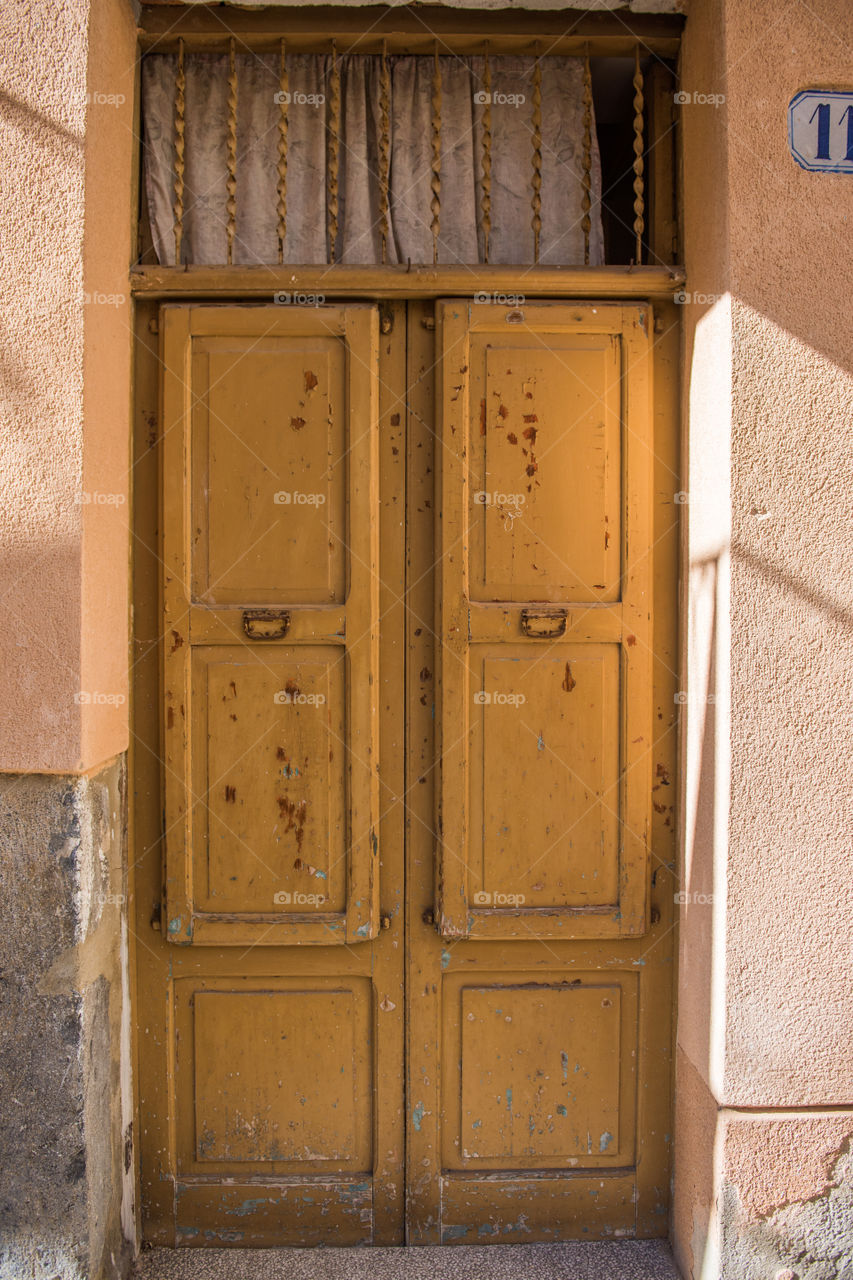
(789, 980)
(65, 215)
(767, 999)
(766, 982)
(111, 151)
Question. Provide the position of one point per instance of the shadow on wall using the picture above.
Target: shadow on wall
(704, 712)
(805, 1229)
(21, 115)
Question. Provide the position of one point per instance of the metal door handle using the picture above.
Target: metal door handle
(543, 624)
(265, 624)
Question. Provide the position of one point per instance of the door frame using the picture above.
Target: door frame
(653, 285)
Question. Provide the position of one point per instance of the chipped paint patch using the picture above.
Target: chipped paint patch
(455, 1231)
(247, 1207)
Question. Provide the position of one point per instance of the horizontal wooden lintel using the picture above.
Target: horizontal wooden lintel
(306, 285)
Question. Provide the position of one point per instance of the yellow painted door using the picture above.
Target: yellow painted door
(540, 757)
(403, 964)
(271, 1007)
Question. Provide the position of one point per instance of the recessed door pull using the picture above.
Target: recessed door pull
(265, 624)
(543, 624)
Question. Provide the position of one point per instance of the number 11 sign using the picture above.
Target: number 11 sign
(820, 130)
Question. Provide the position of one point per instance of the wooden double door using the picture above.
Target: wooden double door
(402, 784)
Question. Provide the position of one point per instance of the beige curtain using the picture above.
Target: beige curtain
(461, 237)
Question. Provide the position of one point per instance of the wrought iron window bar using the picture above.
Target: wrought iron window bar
(206, 35)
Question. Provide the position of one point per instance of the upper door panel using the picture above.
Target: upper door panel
(545, 623)
(271, 623)
(545, 466)
(286, 460)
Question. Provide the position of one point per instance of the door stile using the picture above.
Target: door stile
(423, 988)
(656, 957)
(362, 623)
(387, 951)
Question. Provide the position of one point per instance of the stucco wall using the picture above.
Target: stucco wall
(68, 85)
(766, 991)
(43, 121)
(791, 834)
(110, 172)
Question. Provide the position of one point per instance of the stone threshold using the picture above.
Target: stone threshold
(609, 1260)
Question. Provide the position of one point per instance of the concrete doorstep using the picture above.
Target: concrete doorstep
(626, 1260)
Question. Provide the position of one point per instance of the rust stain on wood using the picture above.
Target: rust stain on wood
(294, 813)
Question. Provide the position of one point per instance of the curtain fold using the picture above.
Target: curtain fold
(461, 237)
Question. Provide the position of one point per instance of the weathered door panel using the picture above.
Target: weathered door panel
(546, 451)
(264, 752)
(547, 808)
(540, 953)
(270, 546)
(539, 1074)
(279, 1084)
(270, 1099)
(545, 620)
(269, 432)
(274, 1078)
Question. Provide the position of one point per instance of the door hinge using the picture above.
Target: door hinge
(386, 318)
